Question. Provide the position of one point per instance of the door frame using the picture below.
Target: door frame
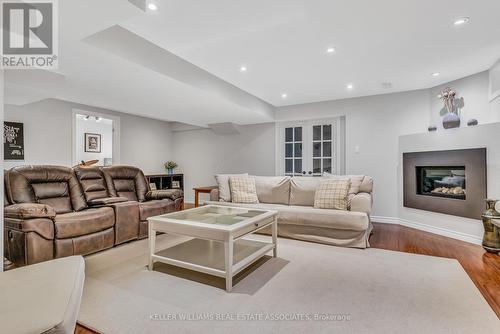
(338, 135)
(116, 133)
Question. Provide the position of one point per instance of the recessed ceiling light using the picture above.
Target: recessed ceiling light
(462, 20)
(152, 6)
(243, 68)
(350, 86)
(284, 95)
(436, 74)
(331, 49)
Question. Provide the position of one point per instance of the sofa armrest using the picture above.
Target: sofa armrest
(214, 195)
(106, 201)
(172, 194)
(361, 202)
(29, 211)
(42, 226)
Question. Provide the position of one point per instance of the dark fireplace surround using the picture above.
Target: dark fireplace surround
(451, 182)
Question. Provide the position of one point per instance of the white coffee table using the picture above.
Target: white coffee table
(220, 245)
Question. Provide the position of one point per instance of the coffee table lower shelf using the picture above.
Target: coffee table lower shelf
(209, 257)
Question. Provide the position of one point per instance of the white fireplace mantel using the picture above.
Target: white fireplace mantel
(488, 136)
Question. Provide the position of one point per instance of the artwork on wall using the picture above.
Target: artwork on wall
(92, 143)
(13, 141)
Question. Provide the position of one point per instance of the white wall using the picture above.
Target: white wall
(475, 91)
(47, 133)
(104, 128)
(374, 124)
(144, 142)
(201, 154)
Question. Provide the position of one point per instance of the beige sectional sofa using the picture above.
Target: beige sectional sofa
(293, 198)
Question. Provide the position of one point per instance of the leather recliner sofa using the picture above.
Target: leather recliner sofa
(53, 211)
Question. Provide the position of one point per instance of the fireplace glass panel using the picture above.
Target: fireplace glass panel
(442, 181)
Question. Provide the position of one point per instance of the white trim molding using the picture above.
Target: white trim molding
(494, 81)
(428, 228)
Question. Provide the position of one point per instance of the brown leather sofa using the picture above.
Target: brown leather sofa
(53, 211)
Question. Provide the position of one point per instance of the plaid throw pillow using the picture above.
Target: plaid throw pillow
(243, 189)
(332, 194)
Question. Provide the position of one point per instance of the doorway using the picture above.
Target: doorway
(95, 138)
(311, 148)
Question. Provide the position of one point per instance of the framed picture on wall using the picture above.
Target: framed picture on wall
(92, 143)
(13, 141)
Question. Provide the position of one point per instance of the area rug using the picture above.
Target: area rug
(309, 288)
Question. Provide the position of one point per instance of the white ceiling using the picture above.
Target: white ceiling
(282, 43)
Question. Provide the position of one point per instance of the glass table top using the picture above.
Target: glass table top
(218, 215)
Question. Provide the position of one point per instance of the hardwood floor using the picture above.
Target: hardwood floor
(483, 268)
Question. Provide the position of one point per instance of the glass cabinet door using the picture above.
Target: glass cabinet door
(309, 148)
(293, 151)
(322, 149)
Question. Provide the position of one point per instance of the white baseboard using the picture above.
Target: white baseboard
(429, 228)
(385, 220)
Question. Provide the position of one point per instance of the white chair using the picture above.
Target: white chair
(42, 298)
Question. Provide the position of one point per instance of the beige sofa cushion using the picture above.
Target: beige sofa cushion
(332, 194)
(273, 189)
(303, 189)
(361, 202)
(224, 188)
(356, 181)
(243, 189)
(309, 216)
(359, 183)
(367, 185)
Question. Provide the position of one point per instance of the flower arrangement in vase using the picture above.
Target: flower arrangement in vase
(451, 117)
(170, 166)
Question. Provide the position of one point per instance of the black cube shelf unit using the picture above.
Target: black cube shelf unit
(166, 181)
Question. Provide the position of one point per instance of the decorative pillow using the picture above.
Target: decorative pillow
(367, 185)
(243, 189)
(332, 194)
(356, 181)
(273, 189)
(303, 189)
(223, 183)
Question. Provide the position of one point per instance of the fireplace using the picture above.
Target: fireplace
(451, 182)
(441, 181)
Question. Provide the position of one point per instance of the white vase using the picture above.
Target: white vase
(451, 120)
